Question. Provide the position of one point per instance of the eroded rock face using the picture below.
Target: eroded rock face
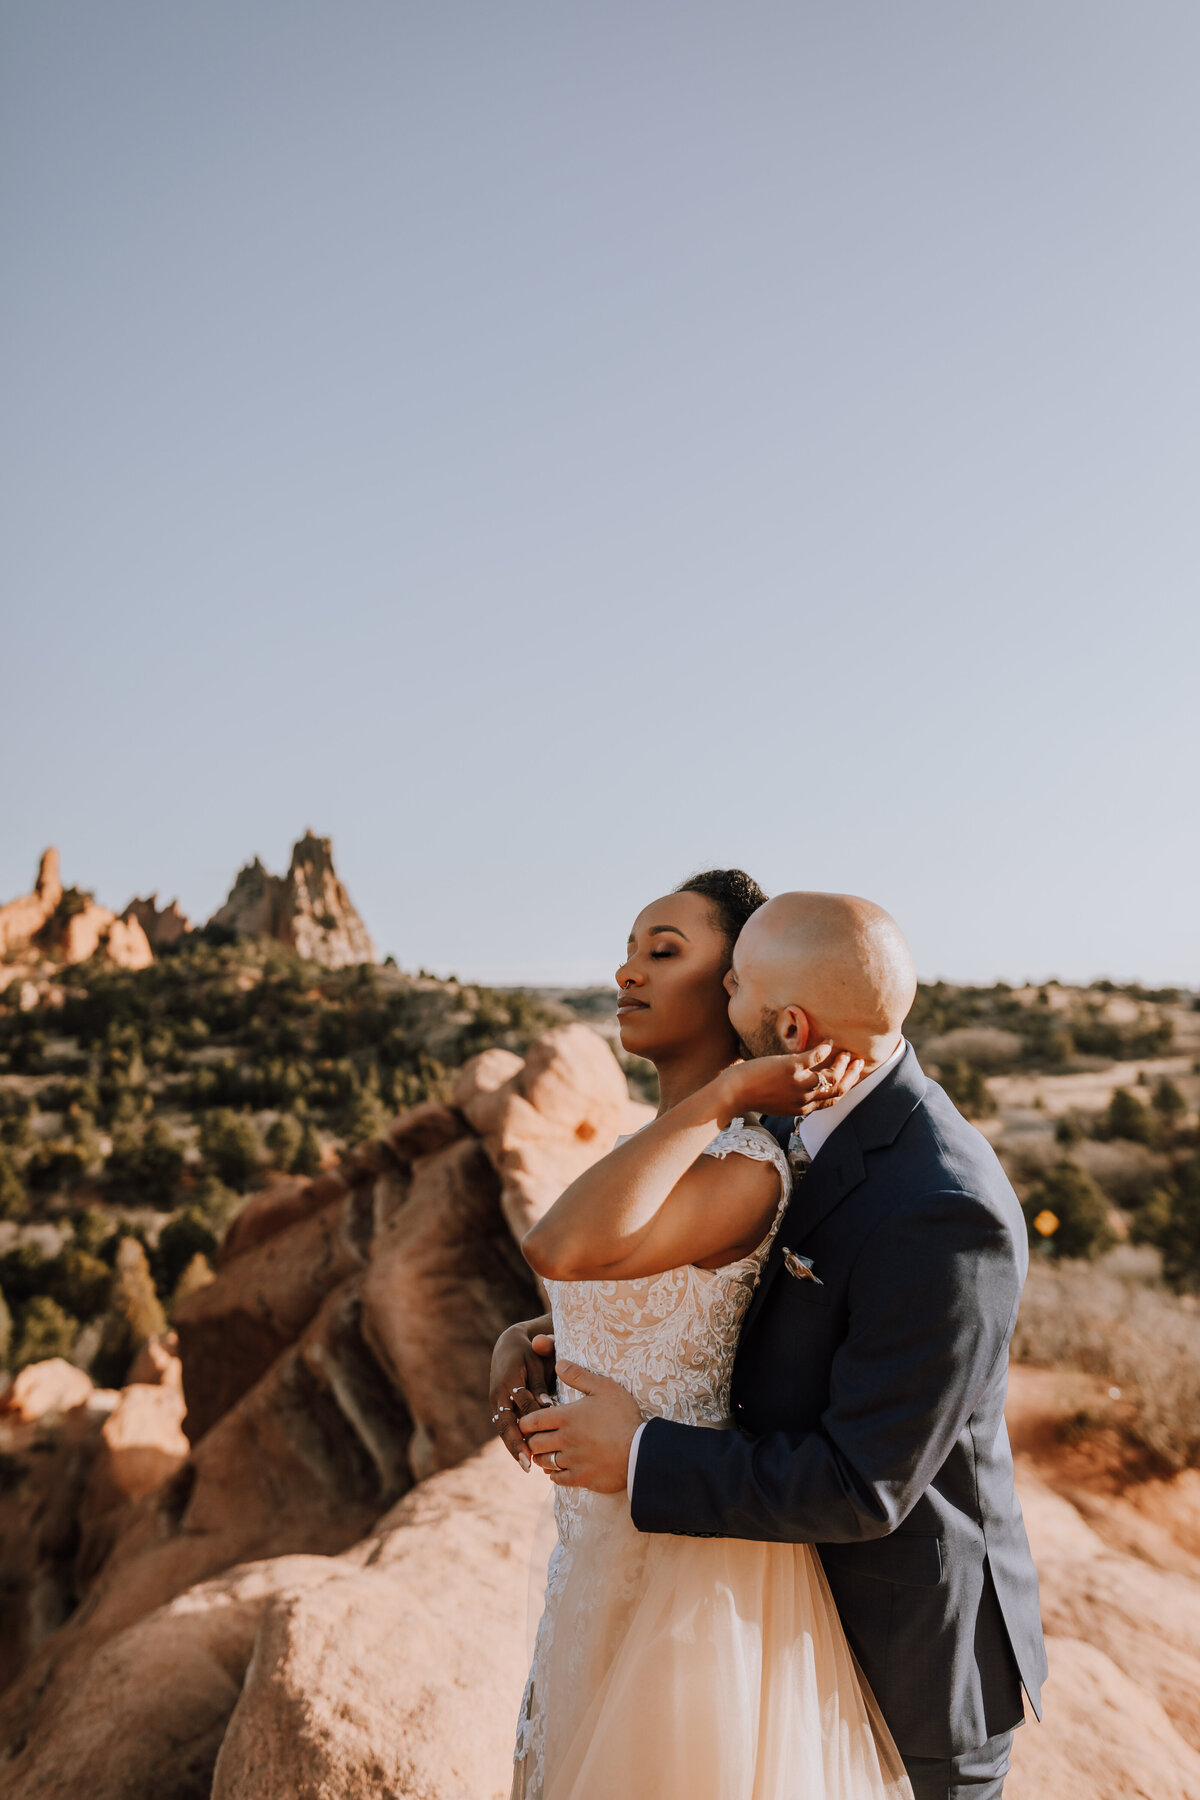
(319, 918)
(53, 1386)
(122, 941)
(307, 909)
(309, 1600)
(33, 927)
(393, 1668)
(339, 1699)
(547, 1119)
(162, 925)
(444, 1281)
(23, 918)
(231, 1331)
(147, 1715)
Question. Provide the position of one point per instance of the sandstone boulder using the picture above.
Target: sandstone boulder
(1105, 1737)
(147, 1713)
(284, 1203)
(306, 1462)
(53, 1386)
(444, 1280)
(157, 1362)
(548, 1118)
(339, 1698)
(251, 1684)
(232, 1330)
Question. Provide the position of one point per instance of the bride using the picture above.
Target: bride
(668, 1666)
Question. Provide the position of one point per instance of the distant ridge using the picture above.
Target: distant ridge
(308, 909)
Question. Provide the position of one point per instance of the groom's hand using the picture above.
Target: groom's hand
(589, 1438)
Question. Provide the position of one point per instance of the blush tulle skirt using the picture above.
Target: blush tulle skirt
(697, 1668)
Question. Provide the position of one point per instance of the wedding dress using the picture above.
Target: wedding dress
(685, 1668)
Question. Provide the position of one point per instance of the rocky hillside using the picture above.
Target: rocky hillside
(294, 1430)
(308, 910)
(286, 1556)
(139, 1107)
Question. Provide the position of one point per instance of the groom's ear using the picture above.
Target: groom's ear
(794, 1030)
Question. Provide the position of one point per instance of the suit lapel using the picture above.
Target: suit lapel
(840, 1165)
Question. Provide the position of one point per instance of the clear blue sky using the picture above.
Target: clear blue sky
(551, 448)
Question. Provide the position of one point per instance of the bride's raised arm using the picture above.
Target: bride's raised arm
(657, 1202)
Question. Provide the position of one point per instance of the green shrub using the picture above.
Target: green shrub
(54, 1165)
(14, 1200)
(1075, 1316)
(364, 1116)
(231, 1147)
(80, 1282)
(134, 1315)
(967, 1087)
(1170, 1220)
(1127, 1117)
(1168, 1103)
(1067, 1215)
(46, 1330)
(283, 1139)
(16, 1121)
(187, 1235)
(23, 1274)
(215, 1203)
(309, 1158)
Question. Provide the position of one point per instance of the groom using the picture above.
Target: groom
(869, 1385)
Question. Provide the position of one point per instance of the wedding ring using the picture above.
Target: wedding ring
(823, 1082)
(552, 1459)
(497, 1416)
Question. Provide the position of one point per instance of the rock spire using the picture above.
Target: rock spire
(308, 908)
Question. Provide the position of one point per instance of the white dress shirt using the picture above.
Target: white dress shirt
(814, 1131)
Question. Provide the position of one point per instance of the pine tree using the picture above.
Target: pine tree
(46, 1330)
(134, 1315)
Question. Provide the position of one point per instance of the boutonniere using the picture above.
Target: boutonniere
(800, 1266)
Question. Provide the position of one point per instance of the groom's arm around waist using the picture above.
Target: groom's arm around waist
(932, 1303)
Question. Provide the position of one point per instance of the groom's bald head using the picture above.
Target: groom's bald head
(813, 966)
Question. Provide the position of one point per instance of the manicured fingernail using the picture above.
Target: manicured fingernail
(525, 1462)
(545, 1400)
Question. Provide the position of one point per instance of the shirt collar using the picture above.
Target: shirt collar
(821, 1125)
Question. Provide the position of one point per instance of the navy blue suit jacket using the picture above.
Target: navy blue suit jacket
(870, 1415)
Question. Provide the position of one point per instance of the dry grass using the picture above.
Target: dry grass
(1136, 1336)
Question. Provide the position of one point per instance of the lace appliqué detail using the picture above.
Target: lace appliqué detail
(670, 1339)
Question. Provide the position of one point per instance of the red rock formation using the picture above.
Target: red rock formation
(37, 926)
(286, 1612)
(21, 920)
(232, 1330)
(308, 908)
(548, 1118)
(162, 926)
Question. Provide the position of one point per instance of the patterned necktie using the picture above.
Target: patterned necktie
(798, 1156)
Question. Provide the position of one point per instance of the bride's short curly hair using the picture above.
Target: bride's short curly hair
(732, 894)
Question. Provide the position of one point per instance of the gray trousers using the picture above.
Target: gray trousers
(979, 1775)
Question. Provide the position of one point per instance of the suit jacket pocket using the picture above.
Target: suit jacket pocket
(914, 1559)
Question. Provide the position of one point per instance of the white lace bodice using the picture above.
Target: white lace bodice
(670, 1338)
